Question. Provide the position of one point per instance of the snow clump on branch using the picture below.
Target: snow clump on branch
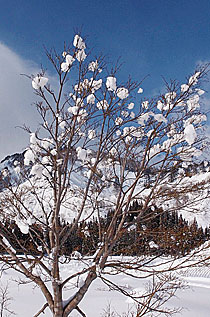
(65, 66)
(39, 82)
(111, 83)
(140, 91)
(190, 134)
(93, 66)
(122, 93)
(78, 42)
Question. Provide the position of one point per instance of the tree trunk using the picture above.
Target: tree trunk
(58, 303)
(58, 314)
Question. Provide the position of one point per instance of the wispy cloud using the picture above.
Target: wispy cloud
(16, 97)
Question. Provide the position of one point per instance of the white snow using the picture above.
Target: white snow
(111, 83)
(46, 143)
(37, 170)
(193, 103)
(194, 300)
(160, 105)
(22, 225)
(78, 42)
(190, 134)
(73, 110)
(184, 88)
(131, 105)
(118, 132)
(28, 157)
(95, 84)
(80, 55)
(125, 113)
(91, 99)
(194, 79)
(140, 90)
(132, 115)
(39, 82)
(81, 153)
(118, 121)
(62, 125)
(91, 134)
(122, 93)
(53, 152)
(93, 66)
(145, 104)
(33, 139)
(199, 91)
(64, 67)
(170, 96)
(103, 104)
(69, 59)
(160, 118)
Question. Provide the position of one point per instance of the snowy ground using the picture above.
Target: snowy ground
(194, 300)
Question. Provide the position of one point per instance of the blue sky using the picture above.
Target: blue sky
(152, 37)
(156, 37)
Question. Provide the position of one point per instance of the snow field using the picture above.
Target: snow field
(194, 299)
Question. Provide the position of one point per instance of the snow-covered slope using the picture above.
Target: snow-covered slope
(10, 168)
(13, 171)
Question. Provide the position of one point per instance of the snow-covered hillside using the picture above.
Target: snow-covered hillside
(13, 172)
(10, 167)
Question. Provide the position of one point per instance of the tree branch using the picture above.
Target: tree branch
(80, 311)
(42, 310)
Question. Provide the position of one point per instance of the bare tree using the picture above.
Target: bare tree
(96, 141)
(5, 301)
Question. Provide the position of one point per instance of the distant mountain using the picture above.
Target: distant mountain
(10, 169)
